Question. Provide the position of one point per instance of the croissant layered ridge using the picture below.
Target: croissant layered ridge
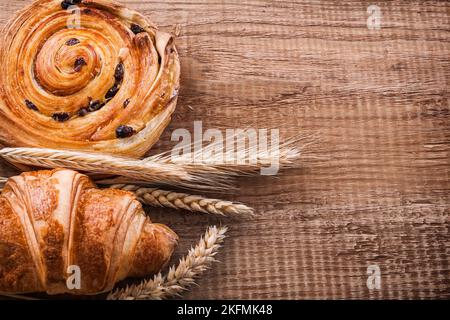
(54, 221)
(94, 76)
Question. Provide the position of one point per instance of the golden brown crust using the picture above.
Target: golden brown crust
(17, 270)
(50, 220)
(95, 234)
(59, 86)
(154, 249)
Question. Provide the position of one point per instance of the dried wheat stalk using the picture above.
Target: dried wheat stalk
(225, 167)
(181, 201)
(221, 172)
(192, 171)
(242, 160)
(133, 170)
(195, 203)
(179, 278)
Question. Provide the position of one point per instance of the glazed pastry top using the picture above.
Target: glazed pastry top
(92, 76)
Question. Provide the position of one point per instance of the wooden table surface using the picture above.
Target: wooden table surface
(375, 188)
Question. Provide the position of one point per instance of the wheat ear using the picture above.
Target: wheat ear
(181, 201)
(216, 159)
(179, 278)
(193, 170)
(224, 166)
(195, 203)
(133, 170)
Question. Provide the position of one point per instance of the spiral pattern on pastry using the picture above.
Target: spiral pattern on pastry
(86, 75)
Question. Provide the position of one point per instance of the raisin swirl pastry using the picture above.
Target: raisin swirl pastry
(53, 221)
(88, 75)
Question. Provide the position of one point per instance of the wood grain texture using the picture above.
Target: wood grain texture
(378, 192)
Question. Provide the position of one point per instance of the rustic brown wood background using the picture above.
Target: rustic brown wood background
(374, 190)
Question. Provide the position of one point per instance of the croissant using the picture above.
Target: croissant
(86, 75)
(53, 220)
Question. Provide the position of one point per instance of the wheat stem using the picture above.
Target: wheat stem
(194, 203)
(179, 278)
(194, 170)
(131, 169)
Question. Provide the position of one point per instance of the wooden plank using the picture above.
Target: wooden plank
(374, 190)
